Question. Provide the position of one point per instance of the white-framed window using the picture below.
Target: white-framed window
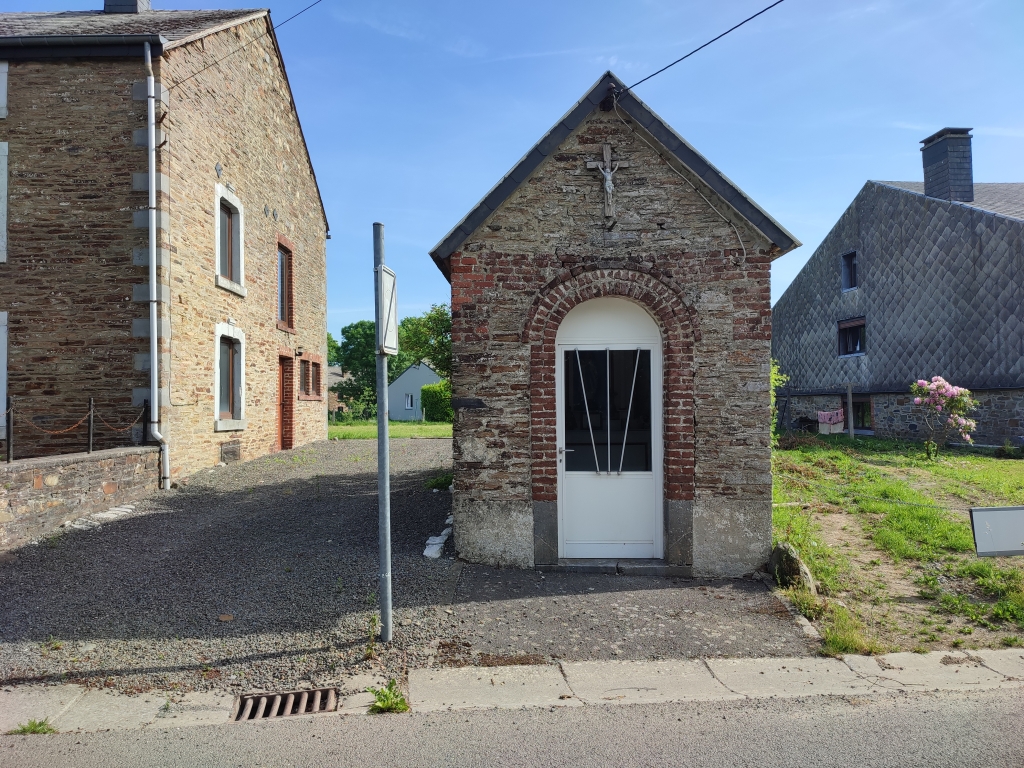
(3, 370)
(3, 201)
(228, 378)
(229, 240)
(3, 89)
(408, 402)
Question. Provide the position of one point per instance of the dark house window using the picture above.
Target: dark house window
(230, 253)
(315, 373)
(862, 413)
(285, 310)
(851, 337)
(230, 396)
(305, 384)
(850, 271)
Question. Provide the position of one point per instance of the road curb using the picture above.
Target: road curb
(566, 684)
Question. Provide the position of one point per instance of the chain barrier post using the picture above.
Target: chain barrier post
(92, 421)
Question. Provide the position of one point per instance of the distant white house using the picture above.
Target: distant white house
(404, 392)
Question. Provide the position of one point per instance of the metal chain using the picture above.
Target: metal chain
(125, 429)
(59, 431)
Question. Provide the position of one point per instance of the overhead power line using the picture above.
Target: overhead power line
(259, 37)
(695, 50)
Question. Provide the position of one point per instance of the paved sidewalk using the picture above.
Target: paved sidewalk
(566, 684)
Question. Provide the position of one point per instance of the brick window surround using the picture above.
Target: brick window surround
(674, 320)
(311, 377)
(285, 262)
(229, 246)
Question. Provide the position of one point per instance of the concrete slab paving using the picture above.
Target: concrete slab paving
(484, 687)
(760, 678)
(637, 682)
(106, 710)
(208, 708)
(1009, 663)
(925, 671)
(19, 704)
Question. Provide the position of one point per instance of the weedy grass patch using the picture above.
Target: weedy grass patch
(442, 481)
(33, 727)
(388, 699)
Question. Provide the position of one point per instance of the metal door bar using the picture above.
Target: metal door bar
(629, 410)
(586, 407)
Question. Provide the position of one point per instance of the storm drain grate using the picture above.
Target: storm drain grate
(270, 706)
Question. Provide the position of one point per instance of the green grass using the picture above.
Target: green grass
(388, 699)
(367, 430)
(906, 523)
(31, 727)
(442, 481)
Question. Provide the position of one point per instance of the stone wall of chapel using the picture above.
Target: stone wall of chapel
(552, 232)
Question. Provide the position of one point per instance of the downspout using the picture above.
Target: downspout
(154, 341)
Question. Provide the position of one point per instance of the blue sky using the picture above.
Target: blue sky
(413, 110)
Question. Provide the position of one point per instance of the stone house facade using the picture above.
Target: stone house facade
(241, 229)
(914, 280)
(616, 232)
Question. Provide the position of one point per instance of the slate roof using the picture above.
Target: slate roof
(1002, 199)
(645, 116)
(178, 27)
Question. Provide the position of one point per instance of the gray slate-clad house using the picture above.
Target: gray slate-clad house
(404, 392)
(915, 280)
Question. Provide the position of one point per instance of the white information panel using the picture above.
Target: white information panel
(998, 531)
(387, 320)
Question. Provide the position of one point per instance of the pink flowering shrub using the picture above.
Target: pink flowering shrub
(945, 411)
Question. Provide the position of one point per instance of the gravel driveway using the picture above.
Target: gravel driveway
(286, 545)
(262, 576)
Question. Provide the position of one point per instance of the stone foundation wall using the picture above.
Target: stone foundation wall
(1000, 415)
(37, 495)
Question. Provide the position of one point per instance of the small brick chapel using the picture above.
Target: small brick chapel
(611, 332)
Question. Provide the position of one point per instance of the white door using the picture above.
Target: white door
(608, 370)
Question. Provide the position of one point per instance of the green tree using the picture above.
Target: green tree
(357, 355)
(429, 337)
(333, 350)
(777, 381)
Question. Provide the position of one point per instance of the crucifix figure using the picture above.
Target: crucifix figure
(607, 170)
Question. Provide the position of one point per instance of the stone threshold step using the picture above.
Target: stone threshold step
(621, 567)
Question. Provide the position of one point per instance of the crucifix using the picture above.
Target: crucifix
(607, 171)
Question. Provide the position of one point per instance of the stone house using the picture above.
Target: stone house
(915, 280)
(610, 333)
(238, 233)
(404, 403)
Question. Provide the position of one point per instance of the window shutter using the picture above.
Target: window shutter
(3, 201)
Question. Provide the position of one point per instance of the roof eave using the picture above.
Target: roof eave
(22, 47)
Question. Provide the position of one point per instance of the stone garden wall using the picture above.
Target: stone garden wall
(37, 495)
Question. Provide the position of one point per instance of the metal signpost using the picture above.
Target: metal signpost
(998, 531)
(386, 306)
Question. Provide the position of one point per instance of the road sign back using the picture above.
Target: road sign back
(387, 311)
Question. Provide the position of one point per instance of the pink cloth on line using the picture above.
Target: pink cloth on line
(831, 417)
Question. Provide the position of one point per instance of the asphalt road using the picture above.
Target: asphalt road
(962, 730)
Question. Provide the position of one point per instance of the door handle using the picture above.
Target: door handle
(566, 450)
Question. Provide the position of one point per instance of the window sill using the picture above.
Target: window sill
(310, 397)
(847, 290)
(230, 425)
(855, 354)
(231, 285)
(283, 326)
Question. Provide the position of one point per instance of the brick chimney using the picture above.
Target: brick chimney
(127, 6)
(948, 172)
